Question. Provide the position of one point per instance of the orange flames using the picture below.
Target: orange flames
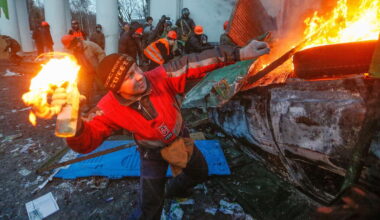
(59, 71)
(352, 21)
(349, 21)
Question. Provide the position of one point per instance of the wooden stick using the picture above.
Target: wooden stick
(97, 154)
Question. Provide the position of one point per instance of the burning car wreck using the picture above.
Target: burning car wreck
(315, 124)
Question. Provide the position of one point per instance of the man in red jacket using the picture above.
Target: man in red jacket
(145, 104)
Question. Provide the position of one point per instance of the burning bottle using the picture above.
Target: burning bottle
(66, 125)
(59, 72)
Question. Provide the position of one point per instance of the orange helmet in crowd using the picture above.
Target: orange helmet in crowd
(198, 30)
(67, 40)
(225, 25)
(139, 30)
(44, 23)
(172, 35)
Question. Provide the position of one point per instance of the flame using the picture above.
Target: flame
(59, 71)
(357, 21)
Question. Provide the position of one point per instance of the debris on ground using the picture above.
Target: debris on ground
(211, 210)
(197, 136)
(229, 208)
(10, 73)
(42, 207)
(202, 188)
(50, 178)
(11, 138)
(98, 182)
(175, 212)
(24, 172)
(110, 199)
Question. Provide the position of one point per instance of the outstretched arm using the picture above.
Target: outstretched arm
(195, 65)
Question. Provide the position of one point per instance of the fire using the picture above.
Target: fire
(348, 22)
(59, 71)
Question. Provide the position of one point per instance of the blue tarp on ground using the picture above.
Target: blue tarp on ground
(126, 162)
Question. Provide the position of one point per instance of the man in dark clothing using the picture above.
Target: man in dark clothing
(185, 25)
(37, 40)
(158, 30)
(130, 43)
(76, 31)
(146, 105)
(125, 28)
(98, 36)
(148, 30)
(46, 39)
(161, 51)
(197, 42)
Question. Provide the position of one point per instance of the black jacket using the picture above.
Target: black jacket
(45, 36)
(185, 26)
(130, 43)
(195, 44)
(157, 32)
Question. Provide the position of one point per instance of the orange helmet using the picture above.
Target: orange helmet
(139, 30)
(172, 34)
(44, 23)
(67, 40)
(198, 30)
(225, 25)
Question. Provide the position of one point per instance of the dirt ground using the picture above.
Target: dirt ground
(24, 148)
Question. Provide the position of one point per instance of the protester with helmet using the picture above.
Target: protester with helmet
(42, 36)
(161, 51)
(98, 36)
(224, 38)
(185, 25)
(88, 55)
(130, 43)
(197, 42)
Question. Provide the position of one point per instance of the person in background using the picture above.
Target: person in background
(145, 104)
(161, 51)
(10, 47)
(158, 30)
(130, 43)
(148, 26)
(76, 31)
(88, 55)
(197, 42)
(98, 36)
(185, 25)
(125, 28)
(167, 27)
(148, 29)
(224, 38)
(45, 36)
(37, 39)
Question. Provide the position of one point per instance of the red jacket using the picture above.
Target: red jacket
(165, 81)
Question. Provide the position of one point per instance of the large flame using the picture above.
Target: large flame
(57, 72)
(352, 21)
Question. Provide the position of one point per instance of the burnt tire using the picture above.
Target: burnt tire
(334, 60)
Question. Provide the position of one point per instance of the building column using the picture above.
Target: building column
(10, 26)
(55, 15)
(107, 16)
(68, 15)
(23, 25)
